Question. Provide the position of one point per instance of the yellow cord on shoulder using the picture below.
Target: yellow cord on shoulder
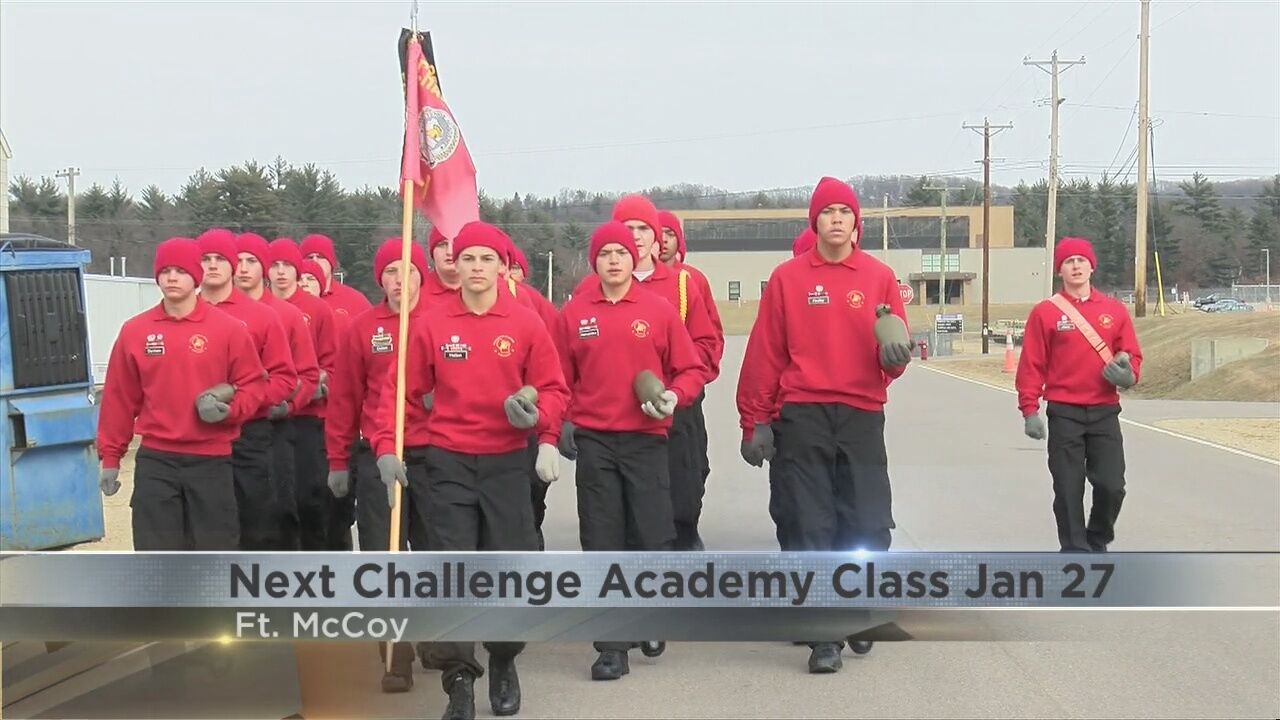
(511, 285)
(684, 295)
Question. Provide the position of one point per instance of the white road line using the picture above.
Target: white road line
(1135, 423)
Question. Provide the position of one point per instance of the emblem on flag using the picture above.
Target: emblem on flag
(439, 136)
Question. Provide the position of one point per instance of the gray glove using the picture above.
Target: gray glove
(1033, 426)
(322, 387)
(521, 413)
(222, 392)
(547, 465)
(1119, 371)
(392, 471)
(279, 412)
(760, 447)
(895, 355)
(339, 483)
(568, 446)
(429, 401)
(663, 408)
(212, 410)
(891, 335)
(109, 481)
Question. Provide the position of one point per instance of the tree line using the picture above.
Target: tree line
(1205, 235)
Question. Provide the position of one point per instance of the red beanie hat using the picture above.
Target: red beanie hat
(389, 252)
(182, 253)
(1070, 246)
(219, 241)
(482, 234)
(804, 242)
(831, 191)
(435, 238)
(312, 268)
(608, 234)
(518, 258)
(283, 250)
(320, 245)
(671, 222)
(255, 245)
(638, 207)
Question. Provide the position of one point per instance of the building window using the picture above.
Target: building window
(735, 290)
(932, 263)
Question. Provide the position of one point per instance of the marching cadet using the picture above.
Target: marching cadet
(365, 356)
(251, 452)
(493, 370)
(315, 502)
(684, 442)
(611, 334)
(183, 376)
(818, 351)
(345, 301)
(251, 270)
(443, 282)
(309, 274)
(1078, 349)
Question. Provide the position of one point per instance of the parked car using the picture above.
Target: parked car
(1200, 302)
(1228, 305)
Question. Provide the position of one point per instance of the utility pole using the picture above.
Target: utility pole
(1144, 128)
(70, 174)
(884, 229)
(986, 127)
(942, 259)
(1266, 253)
(550, 274)
(1056, 67)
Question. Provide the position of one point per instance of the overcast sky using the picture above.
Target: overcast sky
(617, 96)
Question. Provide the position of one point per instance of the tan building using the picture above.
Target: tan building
(738, 250)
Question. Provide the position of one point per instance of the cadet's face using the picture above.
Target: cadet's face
(614, 264)
(516, 273)
(442, 256)
(175, 283)
(478, 268)
(323, 262)
(1075, 270)
(217, 270)
(670, 245)
(393, 284)
(284, 276)
(309, 283)
(836, 224)
(643, 235)
(248, 272)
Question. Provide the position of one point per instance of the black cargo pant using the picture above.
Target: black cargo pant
(286, 499)
(537, 492)
(373, 522)
(775, 498)
(1085, 441)
(624, 496)
(476, 502)
(311, 472)
(252, 467)
(183, 502)
(686, 461)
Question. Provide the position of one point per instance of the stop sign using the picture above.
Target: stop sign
(907, 293)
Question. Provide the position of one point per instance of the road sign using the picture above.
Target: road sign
(949, 324)
(907, 293)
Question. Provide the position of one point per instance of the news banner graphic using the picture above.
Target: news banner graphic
(562, 596)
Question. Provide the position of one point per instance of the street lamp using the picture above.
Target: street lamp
(1266, 254)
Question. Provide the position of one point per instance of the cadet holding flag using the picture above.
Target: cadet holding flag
(820, 352)
(629, 363)
(493, 370)
(1078, 349)
(185, 377)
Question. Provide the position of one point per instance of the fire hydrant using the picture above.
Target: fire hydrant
(924, 349)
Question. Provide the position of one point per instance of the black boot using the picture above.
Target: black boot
(860, 647)
(504, 686)
(424, 656)
(825, 658)
(611, 665)
(653, 648)
(462, 698)
(400, 677)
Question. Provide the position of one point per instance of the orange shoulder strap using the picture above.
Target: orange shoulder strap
(1099, 345)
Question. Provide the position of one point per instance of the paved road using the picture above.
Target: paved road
(965, 478)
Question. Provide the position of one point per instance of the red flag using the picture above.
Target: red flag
(435, 155)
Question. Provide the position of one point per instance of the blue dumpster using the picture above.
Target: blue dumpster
(48, 468)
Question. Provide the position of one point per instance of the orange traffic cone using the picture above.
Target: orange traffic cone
(1010, 360)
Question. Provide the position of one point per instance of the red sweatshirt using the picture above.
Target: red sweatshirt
(528, 296)
(365, 357)
(473, 363)
(159, 365)
(1060, 365)
(324, 336)
(269, 340)
(346, 302)
(604, 345)
(705, 286)
(813, 339)
(434, 292)
(300, 344)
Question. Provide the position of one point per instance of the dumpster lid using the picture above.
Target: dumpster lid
(23, 241)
